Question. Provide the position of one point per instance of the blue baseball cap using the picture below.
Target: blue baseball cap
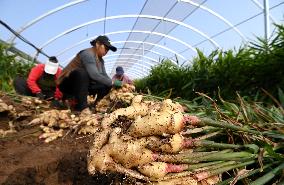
(119, 70)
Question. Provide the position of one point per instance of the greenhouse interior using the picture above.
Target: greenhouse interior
(154, 92)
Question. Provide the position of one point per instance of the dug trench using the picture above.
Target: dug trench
(26, 160)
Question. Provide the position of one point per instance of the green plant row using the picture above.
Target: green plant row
(241, 140)
(256, 70)
(10, 67)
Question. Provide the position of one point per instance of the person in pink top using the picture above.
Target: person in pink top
(121, 76)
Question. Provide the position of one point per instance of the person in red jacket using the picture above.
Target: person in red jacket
(41, 81)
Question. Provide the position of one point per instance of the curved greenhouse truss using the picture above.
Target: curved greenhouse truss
(153, 36)
(203, 103)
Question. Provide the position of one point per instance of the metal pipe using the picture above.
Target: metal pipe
(216, 15)
(139, 42)
(135, 31)
(32, 22)
(131, 16)
(266, 20)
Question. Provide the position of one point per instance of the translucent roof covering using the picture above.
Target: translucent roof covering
(144, 31)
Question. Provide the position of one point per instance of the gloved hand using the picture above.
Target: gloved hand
(58, 104)
(40, 96)
(117, 83)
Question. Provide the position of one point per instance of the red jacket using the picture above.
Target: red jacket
(35, 74)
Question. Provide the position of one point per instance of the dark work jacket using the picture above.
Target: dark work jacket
(95, 67)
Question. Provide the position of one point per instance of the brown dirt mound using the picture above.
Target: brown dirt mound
(26, 160)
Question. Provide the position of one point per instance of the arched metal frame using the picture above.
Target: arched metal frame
(110, 62)
(130, 61)
(129, 16)
(134, 75)
(155, 33)
(137, 73)
(140, 42)
(137, 70)
(130, 31)
(149, 58)
(39, 18)
(148, 50)
(156, 45)
(59, 8)
(127, 59)
(151, 51)
(262, 8)
(117, 42)
(81, 1)
(216, 15)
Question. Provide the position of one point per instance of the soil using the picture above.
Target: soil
(25, 159)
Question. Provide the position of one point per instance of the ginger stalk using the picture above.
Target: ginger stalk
(183, 180)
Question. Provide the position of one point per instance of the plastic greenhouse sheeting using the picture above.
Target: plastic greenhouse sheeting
(144, 31)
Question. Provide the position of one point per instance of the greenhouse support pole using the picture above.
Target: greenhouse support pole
(105, 17)
(143, 52)
(266, 20)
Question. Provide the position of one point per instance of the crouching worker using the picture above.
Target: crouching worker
(121, 76)
(86, 74)
(41, 82)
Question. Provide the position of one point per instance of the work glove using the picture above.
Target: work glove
(40, 96)
(117, 83)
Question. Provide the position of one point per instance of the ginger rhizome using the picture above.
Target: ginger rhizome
(149, 148)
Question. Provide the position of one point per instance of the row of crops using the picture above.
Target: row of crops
(10, 67)
(255, 71)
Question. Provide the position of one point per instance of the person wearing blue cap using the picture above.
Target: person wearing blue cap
(120, 77)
